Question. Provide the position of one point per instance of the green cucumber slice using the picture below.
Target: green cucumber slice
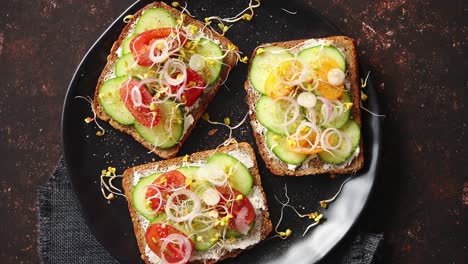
(126, 65)
(189, 171)
(211, 52)
(310, 56)
(204, 240)
(168, 131)
(352, 130)
(340, 121)
(263, 63)
(279, 145)
(162, 218)
(270, 113)
(154, 18)
(200, 186)
(241, 179)
(109, 99)
(126, 44)
(139, 196)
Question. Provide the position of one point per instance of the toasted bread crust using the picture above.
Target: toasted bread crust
(315, 166)
(128, 186)
(230, 60)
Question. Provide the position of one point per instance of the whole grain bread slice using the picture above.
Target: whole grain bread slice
(128, 185)
(229, 62)
(314, 165)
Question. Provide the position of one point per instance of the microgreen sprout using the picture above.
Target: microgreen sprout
(88, 120)
(108, 190)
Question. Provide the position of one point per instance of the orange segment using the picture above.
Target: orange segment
(288, 71)
(304, 146)
(274, 88)
(325, 64)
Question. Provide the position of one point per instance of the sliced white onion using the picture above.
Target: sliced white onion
(241, 223)
(309, 75)
(146, 81)
(326, 109)
(299, 136)
(197, 62)
(135, 94)
(338, 108)
(174, 66)
(307, 99)
(205, 219)
(212, 173)
(311, 116)
(182, 242)
(211, 197)
(159, 55)
(336, 76)
(157, 195)
(294, 107)
(181, 209)
(327, 133)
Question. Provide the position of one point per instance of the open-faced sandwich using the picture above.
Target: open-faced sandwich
(200, 208)
(160, 76)
(304, 101)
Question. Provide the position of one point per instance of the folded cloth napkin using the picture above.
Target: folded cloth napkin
(65, 238)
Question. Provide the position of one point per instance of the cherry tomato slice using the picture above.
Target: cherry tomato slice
(142, 113)
(173, 253)
(141, 44)
(236, 206)
(165, 183)
(195, 85)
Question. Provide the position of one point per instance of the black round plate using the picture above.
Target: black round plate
(86, 154)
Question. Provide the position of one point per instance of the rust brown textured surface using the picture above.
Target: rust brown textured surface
(416, 51)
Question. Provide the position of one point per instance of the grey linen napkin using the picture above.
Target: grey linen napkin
(65, 238)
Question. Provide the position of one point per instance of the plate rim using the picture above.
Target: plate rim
(67, 101)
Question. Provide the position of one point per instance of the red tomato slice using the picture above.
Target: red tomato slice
(143, 114)
(141, 44)
(173, 253)
(195, 85)
(237, 207)
(165, 183)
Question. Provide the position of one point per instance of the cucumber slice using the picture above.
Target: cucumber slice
(340, 121)
(352, 130)
(204, 240)
(109, 99)
(126, 44)
(200, 186)
(270, 113)
(139, 196)
(263, 63)
(210, 50)
(162, 218)
(310, 56)
(189, 171)
(154, 18)
(240, 179)
(160, 135)
(126, 65)
(279, 146)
